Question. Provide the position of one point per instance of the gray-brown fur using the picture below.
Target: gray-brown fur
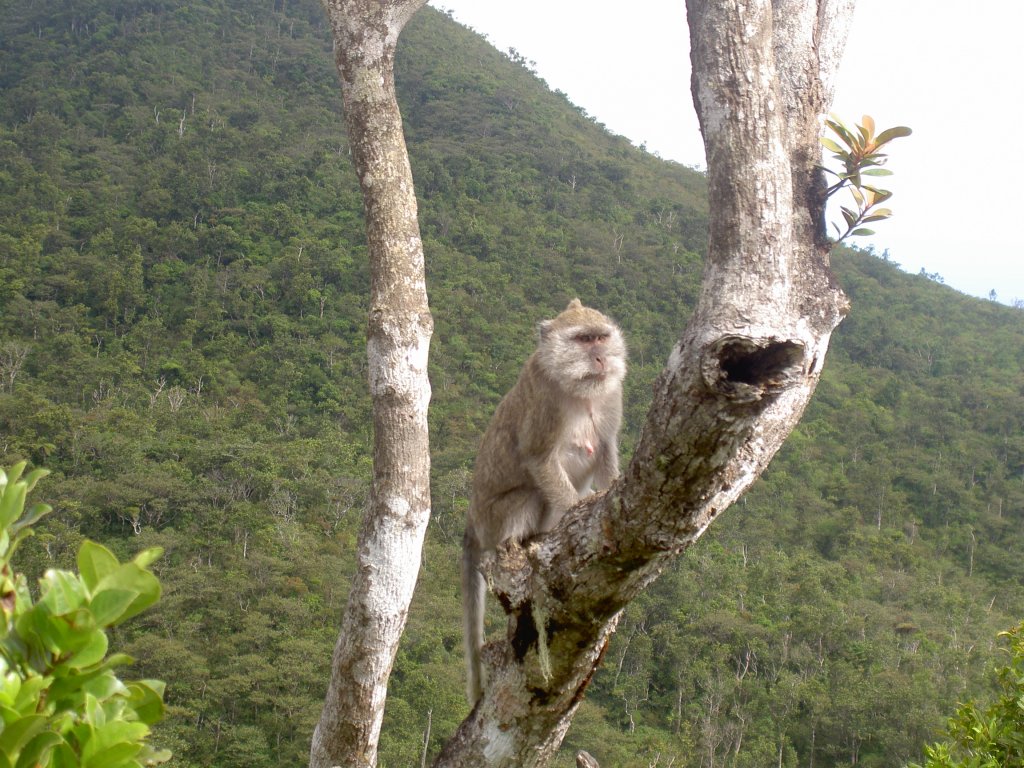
(552, 440)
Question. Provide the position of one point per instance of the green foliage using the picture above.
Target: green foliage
(859, 152)
(61, 704)
(992, 737)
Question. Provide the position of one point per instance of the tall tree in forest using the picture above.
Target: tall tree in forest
(398, 339)
(735, 385)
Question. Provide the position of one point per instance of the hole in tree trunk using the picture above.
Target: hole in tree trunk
(745, 369)
(525, 632)
(746, 363)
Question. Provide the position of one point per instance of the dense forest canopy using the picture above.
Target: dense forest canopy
(183, 293)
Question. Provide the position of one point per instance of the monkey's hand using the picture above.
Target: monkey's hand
(556, 489)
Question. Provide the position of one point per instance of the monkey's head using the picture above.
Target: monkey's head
(583, 351)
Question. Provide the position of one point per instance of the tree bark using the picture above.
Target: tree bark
(398, 338)
(736, 383)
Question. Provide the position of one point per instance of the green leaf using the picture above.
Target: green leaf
(876, 172)
(159, 687)
(35, 512)
(116, 756)
(63, 592)
(10, 687)
(105, 685)
(892, 133)
(147, 557)
(131, 578)
(146, 698)
(880, 195)
(12, 502)
(94, 714)
(118, 660)
(11, 477)
(113, 742)
(832, 146)
(9, 715)
(30, 692)
(22, 534)
(43, 633)
(92, 652)
(36, 752)
(109, 605)
(874, 159)
(63, 757)
(69, 689)
(95, 562)
(863, 231)
(17, 734)
(841, 130)
(34, 477)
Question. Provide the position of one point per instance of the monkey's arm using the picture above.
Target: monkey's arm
(540, 440)
(607, 468)
(554, 485)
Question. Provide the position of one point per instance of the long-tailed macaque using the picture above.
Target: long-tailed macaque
(553, 439)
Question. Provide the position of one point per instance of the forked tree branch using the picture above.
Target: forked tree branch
(735, 385)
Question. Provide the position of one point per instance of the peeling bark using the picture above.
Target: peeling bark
(398, 339)
(736, 383)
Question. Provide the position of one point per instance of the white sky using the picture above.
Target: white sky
(951, 72)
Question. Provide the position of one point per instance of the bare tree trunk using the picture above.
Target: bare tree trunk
(736, 383)
(398, 339)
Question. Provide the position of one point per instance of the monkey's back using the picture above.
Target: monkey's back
(526, 425)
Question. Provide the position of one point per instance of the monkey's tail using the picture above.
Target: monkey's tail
(473, 593)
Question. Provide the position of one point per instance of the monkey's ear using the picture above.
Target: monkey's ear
(544, 328)
(575, 304)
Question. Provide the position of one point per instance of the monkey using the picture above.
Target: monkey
(552, 440)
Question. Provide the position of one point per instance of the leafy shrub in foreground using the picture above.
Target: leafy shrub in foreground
(992, 737)
(61, 705)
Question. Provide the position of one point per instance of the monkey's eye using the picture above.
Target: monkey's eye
(585, 338)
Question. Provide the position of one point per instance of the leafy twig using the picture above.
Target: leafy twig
(859, 152)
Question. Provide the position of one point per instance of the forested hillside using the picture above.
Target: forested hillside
(183, 292)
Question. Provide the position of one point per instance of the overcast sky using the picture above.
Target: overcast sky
(951, 72)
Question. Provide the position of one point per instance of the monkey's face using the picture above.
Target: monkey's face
(583, 351)
(595, 351)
